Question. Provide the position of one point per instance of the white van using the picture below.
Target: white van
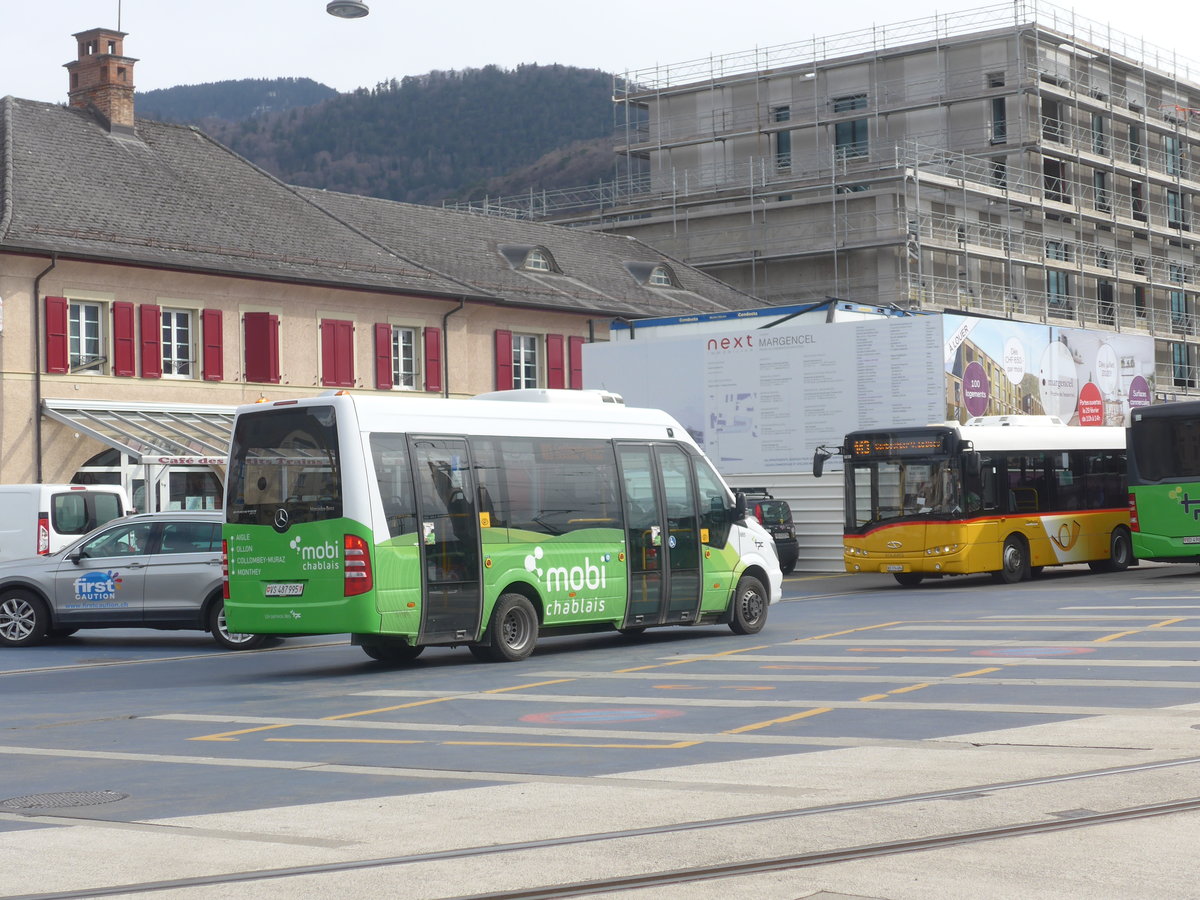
(44, 518)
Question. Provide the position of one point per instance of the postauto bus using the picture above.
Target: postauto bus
(1009, 499)
(411, 522)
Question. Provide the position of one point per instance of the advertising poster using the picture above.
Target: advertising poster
(996, 367)
(763, 400)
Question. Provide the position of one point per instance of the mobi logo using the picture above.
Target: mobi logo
(576, 578)
(327, 550)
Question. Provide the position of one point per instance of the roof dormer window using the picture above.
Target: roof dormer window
(537, 260)
(661, 276)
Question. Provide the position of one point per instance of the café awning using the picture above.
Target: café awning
(178, 434)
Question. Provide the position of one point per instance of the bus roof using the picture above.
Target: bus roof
(1024, 437)
(1184, 408)
(591, 417)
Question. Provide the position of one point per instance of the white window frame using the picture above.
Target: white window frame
(97, 339)
(405, 378)
(526, 363)
(170, 364)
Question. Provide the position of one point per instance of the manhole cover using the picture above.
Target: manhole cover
(62, 800)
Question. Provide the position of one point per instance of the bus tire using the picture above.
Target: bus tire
(513, 629)
(393, 652)
(1120, 553)
(750, 600)
(908, 579)
(230, 640)
(1014, 561)
(24, 619)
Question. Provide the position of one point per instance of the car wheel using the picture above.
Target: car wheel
(513, 629)
(393, 652)
(24, 619)
(230, 640)
(749, 606)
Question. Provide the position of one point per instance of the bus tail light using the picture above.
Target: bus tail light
(358, 577)
(43, 534)
(224, 570)
(1133, 519)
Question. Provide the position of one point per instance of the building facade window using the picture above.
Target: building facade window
(178, 344)
(1053, 128)
(1173, 154)
(337, 353)
(1176, 210)
(783, 139)
(1137, 200)
(1180, 319)
(850, 138)
(524, 361)
(660, 276)
(1100, 191)
(1135, 145)
(1054, 179)
(404, 358)
(1181, 369)
(999, 120)
(86, 338)
(1099, 137)
(1058, 288)
(1139, 301)
(538, 261)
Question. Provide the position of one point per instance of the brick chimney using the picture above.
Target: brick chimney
(102, 78)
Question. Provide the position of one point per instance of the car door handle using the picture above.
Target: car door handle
(135, 565)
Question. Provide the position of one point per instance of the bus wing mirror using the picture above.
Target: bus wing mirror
(819, 461)
(739, 506)
(972, 463)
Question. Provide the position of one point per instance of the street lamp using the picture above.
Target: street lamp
(347, 9)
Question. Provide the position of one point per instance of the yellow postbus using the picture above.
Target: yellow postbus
(1009, 499)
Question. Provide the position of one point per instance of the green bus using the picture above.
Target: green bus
(410, 522)
(1164, 481)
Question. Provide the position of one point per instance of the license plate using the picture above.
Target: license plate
(292, 589)
(895, 568)
(782, 534)
(1192, 540)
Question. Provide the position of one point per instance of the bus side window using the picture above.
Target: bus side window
(390, 455)
(714, 510)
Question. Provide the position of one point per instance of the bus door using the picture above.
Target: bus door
(662, 535)
(449, 537)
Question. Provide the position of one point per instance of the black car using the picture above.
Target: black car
(776, 517)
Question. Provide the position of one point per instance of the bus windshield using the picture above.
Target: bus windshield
(1165, 448)
(885, 489)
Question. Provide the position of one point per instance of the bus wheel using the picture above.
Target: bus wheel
(230, 640)
(908, 579)
(1014, 561)
(512, 630)
(1120, 553)
(24, 619)
(394, 653)
(749, 607)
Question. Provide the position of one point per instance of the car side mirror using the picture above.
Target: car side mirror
(76, 557)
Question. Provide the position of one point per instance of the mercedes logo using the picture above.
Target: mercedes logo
(891, 545)
(281, 520)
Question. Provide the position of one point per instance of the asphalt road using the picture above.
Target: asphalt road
(1031, 741)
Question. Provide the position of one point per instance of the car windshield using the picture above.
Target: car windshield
(773, 512)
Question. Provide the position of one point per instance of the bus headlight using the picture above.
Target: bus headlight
(943, 550)
(855, 551)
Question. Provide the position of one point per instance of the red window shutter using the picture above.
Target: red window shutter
(555, 363)
(151, 322)
(262, 347)
(383, 356)
(214, 350)
(337, 353)
(124, 352)
(504, 360)
(433, 359)
(57, 346)
(575, 345)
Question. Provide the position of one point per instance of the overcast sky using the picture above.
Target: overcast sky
(197, 41)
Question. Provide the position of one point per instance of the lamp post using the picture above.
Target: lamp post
(347, 9)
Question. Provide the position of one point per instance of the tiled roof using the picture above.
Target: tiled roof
(170, 196)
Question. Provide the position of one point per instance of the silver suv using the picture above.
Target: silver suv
(152, 570)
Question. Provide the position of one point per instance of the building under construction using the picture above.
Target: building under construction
(1013, 160)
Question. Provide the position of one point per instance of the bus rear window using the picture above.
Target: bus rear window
(285, 459)
(1166, 449)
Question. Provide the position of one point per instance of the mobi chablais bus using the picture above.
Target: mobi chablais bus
(484, 522)
(1008, 499)
(1164, 481)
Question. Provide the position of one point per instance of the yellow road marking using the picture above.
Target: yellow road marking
(231, 735)
(1121, 634)
(911, 687)
(675, 746)
(901, 649)
(1166, 622)
(680, 662)
(976, 672)
(769, 722)
(521, 687)
(872, 697)
(848, 631)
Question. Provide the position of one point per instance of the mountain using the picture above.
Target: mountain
(422, 139)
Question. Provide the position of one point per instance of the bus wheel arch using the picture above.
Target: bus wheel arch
(1014, 560)
(1120, 552)
(748, 606)
(512, 630)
